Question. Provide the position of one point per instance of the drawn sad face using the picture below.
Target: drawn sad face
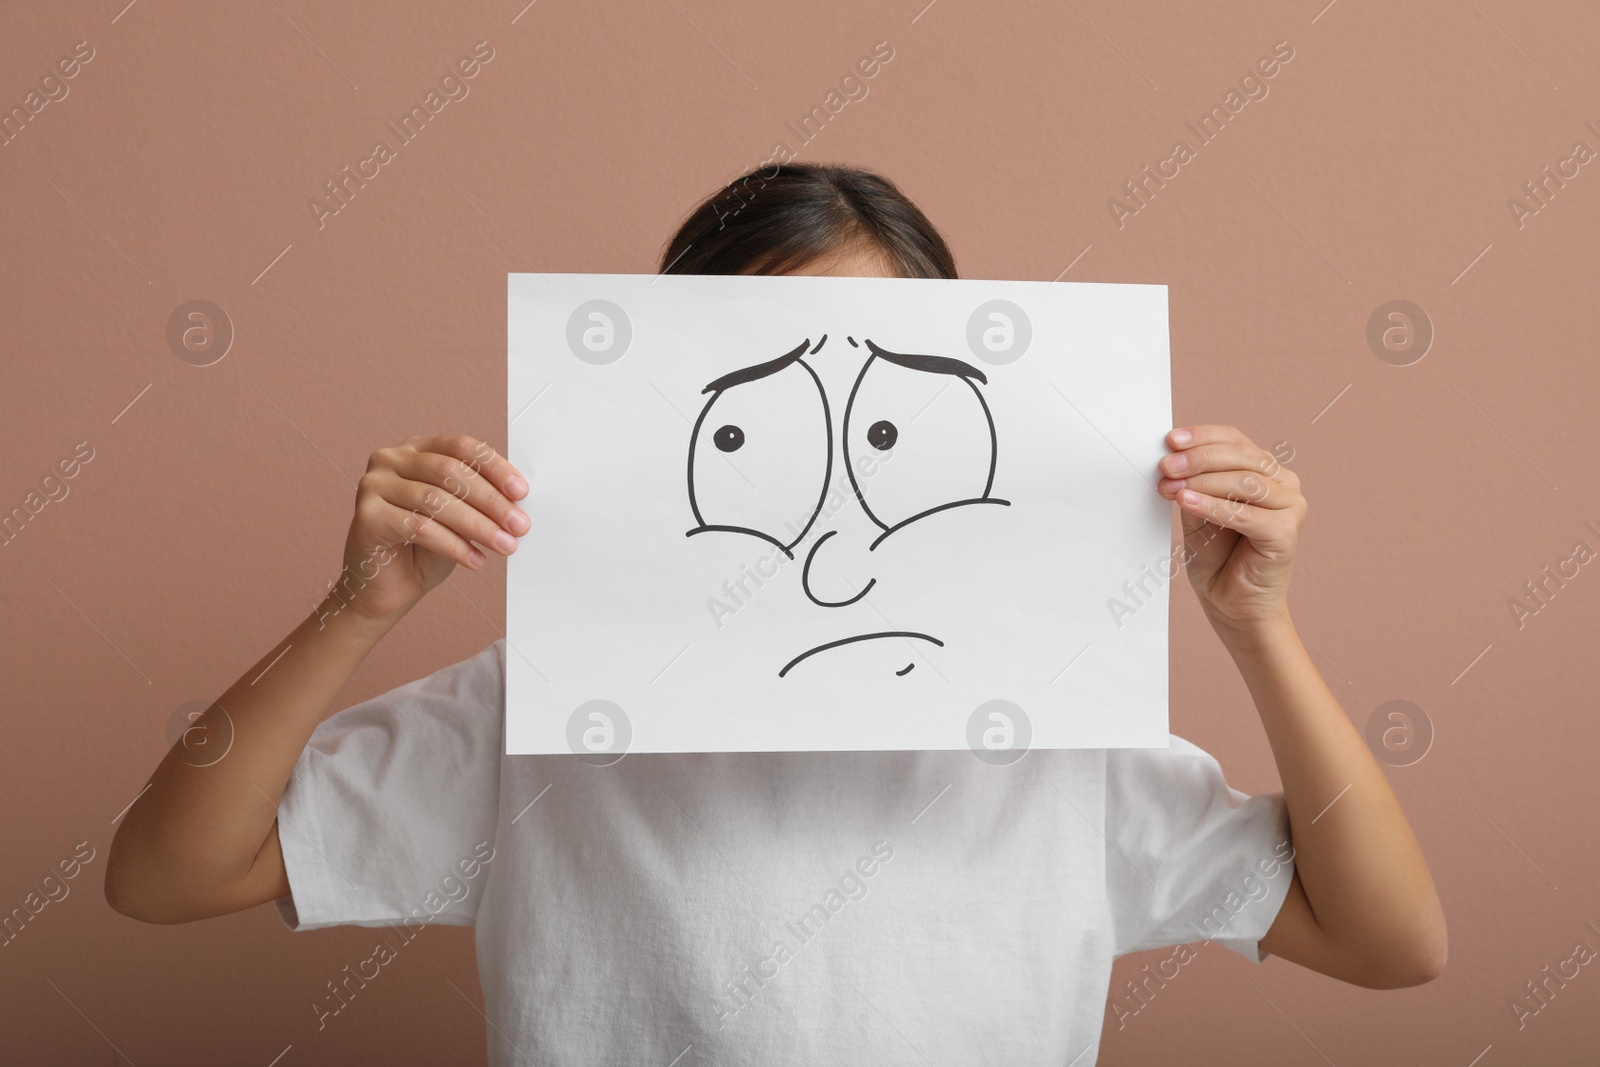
(917, 440)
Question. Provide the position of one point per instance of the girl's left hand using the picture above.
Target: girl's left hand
(1242, 513)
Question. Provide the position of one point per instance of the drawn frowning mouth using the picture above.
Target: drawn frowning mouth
(787, 667)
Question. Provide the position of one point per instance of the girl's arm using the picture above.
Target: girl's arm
(1362, 906)
(202, 839)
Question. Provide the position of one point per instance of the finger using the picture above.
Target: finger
(434, 536)
(1219, 456)
(481, 457)
(1236, 485)
(426, 501)
(1261, 525)
(1204, 434)
(1185, 437)
(459, 478)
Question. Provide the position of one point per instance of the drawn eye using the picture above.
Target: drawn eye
(729, 438)
(916, 441)
(768, 473)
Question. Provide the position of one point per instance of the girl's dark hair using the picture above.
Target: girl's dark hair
(777, 219)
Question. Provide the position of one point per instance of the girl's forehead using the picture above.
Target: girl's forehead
(853, 263)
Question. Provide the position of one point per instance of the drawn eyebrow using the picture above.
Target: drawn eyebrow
(761, 370)
(931, 364)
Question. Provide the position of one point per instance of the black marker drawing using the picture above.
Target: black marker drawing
(852, 640)
(882, 434)
(730, 438)
(805, 580)
(773, 417)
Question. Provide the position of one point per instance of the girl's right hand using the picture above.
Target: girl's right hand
(419, 508)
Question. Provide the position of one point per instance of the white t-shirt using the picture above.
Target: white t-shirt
(882, 907)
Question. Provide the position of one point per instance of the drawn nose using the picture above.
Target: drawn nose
(806, 576)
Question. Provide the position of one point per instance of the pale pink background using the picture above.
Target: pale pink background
(1379, 167)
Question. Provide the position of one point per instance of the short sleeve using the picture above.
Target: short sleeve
(1190, 858)
(391, 808)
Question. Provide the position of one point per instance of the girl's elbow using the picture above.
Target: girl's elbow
(148, 904)
(1429, 962)
(126, 892)
(1417, 963)
(136, 890)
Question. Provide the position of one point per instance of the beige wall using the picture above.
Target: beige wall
(1379, 166)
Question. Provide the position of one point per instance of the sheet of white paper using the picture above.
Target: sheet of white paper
(813, 513)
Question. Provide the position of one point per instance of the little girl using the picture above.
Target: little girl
(800, 907)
